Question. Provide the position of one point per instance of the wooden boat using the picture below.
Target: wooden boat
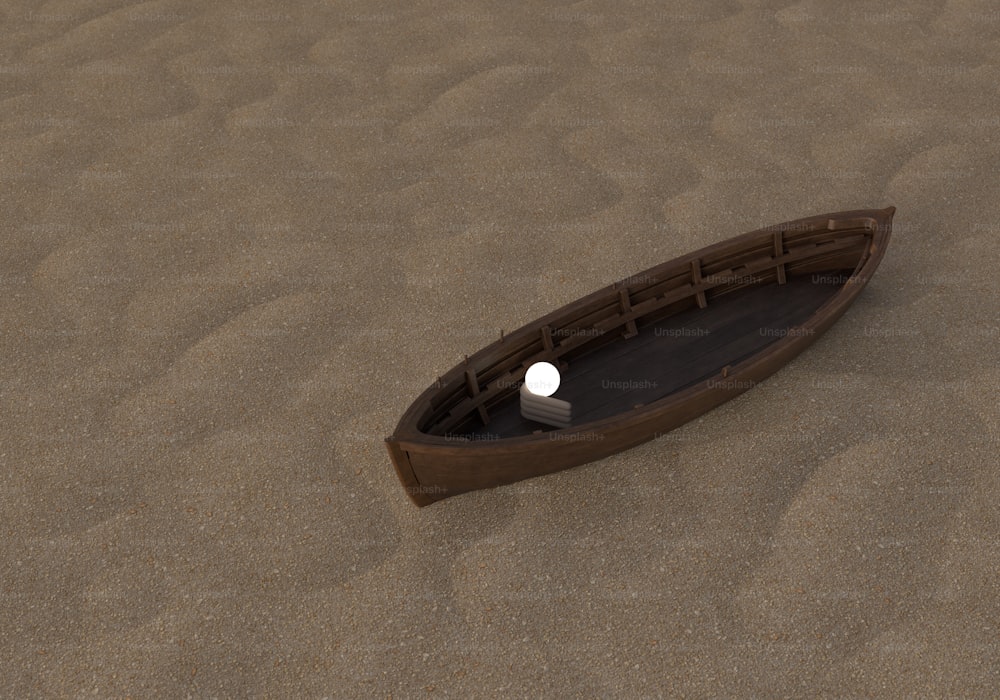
(641, 356)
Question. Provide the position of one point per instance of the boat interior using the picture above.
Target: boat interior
(656, 333)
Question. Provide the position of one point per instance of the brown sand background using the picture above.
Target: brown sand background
(240, 237)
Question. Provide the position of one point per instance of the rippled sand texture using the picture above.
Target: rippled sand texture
(239, 238)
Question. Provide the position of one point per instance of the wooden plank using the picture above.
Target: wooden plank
(547, 338)
(779, 250)
(807, 251)
(553, 351)
(625, 307)
(863, 222)
(696, 283)
(716, 264)
(473, 386)
(676, 279)
(518, 355)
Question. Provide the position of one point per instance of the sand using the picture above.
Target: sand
(240, 238)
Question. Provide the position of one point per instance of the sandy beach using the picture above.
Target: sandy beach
(241, 237)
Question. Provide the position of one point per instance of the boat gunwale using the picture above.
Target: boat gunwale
(407, 433)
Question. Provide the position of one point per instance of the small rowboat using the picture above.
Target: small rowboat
(641, 356)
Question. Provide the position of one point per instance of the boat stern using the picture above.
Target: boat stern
(420, 495)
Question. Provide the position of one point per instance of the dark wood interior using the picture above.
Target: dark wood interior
(624, 345)
(671, 353)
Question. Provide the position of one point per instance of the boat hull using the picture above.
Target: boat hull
(433, 467)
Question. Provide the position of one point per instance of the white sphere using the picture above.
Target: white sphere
(542, 378)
